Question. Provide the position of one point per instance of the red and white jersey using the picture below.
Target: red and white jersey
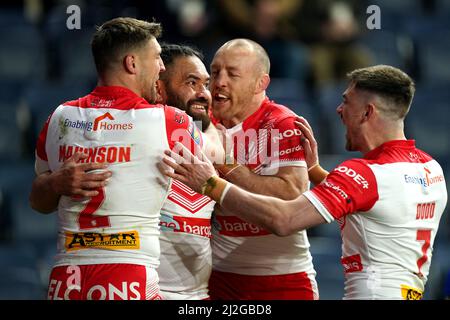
(115, 126)
(388, 206)
(265, 141)
(185, 264)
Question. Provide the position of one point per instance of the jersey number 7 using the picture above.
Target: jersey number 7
(425, 236)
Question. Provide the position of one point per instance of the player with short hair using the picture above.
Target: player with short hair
(185, 262)
(108, 238)
(388, 203)
(248, 261)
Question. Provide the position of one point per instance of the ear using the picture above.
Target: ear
(161, 92)
(263, 83)
(129, 63)
(370, 111)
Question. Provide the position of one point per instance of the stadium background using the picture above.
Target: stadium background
(43, 63)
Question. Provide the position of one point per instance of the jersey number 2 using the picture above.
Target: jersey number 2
(87, 218)
(425, 236)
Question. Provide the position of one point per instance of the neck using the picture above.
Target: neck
(119, 80)
(246, 111)
(384, 133)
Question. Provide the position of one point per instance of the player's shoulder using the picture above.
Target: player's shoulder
(354, 163)
(423, 156)
(80, 102)
(279, 111)
(354, 167)
(175, 115)
(356, 171)
(279, 115)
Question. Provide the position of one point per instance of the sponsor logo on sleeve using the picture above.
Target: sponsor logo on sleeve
(359, 179)
(286, 134)
(281, 153)
(337, 189)
(179, 117)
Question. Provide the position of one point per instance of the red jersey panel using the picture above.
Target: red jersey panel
(267, 140)
(115, 126)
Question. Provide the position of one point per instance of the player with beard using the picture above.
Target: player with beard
(388, 203)
(185, 263)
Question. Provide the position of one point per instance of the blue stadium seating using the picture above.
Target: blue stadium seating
(42, 98)
(22, 53)
(11, 139)
(19, 276)
(326, 253)
(429, 120)
(25, 223)
(386, 47)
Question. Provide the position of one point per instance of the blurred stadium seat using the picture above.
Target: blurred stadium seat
(440, 266)
(326, 253)
(287, 89)
(76, 57)
(19, 275)
(25, 223)
(22, 52)
(329, 98)
(429, 119)
(42, 98)
(71, 48)
(11, 138)
(387, 47)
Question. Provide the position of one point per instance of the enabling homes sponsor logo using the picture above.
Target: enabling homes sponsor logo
(426, 180)
(99, 123)
(93, 240)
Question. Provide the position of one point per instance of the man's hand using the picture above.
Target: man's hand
(316, 173)
(72, 179)
(309, 143)
(191, 170)
(78, 179)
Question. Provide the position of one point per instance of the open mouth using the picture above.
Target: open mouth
(197, 108)
(220, 98)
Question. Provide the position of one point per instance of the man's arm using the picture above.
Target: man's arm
(288, 183)
(72, 179)
(276, 215)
